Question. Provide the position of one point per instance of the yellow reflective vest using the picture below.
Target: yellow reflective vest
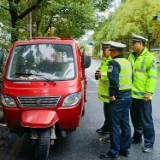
(125, 75)
(144, 74)
(103, 85)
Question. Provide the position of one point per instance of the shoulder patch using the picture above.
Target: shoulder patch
(153, 63)
(106, 82)
(110, 68)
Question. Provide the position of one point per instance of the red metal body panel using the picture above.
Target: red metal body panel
(39, 118)
(69, 117)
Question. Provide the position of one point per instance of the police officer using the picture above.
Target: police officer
(103, 86)
(120, 77)
(144, 83)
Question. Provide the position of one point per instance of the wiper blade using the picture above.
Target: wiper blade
(23, 73)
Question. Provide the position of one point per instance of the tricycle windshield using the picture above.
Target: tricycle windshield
(39, 61)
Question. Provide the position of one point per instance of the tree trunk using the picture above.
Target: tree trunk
(15, 18)
(149, 42)
(15, 21)
(49, 25)
(37, 28)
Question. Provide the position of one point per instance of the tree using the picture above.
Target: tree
(69, 18)
(82, 43)
(131, 17)
(15, 9)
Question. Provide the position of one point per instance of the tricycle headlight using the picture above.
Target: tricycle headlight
(8, 101)
(72, 99)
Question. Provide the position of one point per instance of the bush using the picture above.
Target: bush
(2, 67)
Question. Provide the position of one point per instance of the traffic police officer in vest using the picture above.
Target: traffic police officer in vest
(120, 77)
(103, 86)
(144, 66)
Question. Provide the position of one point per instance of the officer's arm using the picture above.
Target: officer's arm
(103, 74)
(152, 75)
(113, 75)
(99, 70)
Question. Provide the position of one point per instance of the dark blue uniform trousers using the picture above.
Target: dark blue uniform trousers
(120, 132)
(106, 110)
(141, 116)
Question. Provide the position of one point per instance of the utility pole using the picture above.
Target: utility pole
(29, 25)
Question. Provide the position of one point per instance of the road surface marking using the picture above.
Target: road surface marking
(91, 91)
(88, 75)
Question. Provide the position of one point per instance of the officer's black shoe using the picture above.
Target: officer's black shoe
(101, 131)
(147, 149)
(124, 153)
(107, 140)
(108, 155)
(136, 141)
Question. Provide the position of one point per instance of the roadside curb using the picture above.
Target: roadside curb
(1, 113)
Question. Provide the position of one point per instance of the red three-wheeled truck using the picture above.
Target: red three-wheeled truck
(44, 89)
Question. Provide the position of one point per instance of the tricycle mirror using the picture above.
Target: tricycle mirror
(86, 61)
(1, 57)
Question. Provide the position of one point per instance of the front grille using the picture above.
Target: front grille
(38, 102)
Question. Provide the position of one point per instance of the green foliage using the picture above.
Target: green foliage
(68, 18)
(96, 51)
(102, 5)
(81, 43)
(130, 17)
(2, 67)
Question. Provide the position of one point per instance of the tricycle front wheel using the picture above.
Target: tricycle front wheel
(42, 144)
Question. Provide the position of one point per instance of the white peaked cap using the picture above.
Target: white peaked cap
(137, 38)
(116, 45)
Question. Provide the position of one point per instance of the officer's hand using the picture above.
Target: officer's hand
(146, 97)
(98, 74)
(112, 98)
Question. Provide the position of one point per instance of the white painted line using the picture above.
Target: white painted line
(89, 74)
(91, 91)
(92, 78)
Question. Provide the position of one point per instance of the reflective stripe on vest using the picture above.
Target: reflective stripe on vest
(142, 67)
(140, 70)
(143, 62)
(125, 76)
(104, 96)
(155, 68)
(104, 73)
(151, 76)
(125, 86)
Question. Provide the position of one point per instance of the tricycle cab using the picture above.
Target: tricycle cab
(45, 73)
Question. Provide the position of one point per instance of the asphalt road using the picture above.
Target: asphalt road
(83, 144)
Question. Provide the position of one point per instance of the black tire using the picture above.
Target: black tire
(83, 112)
(42, 144)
